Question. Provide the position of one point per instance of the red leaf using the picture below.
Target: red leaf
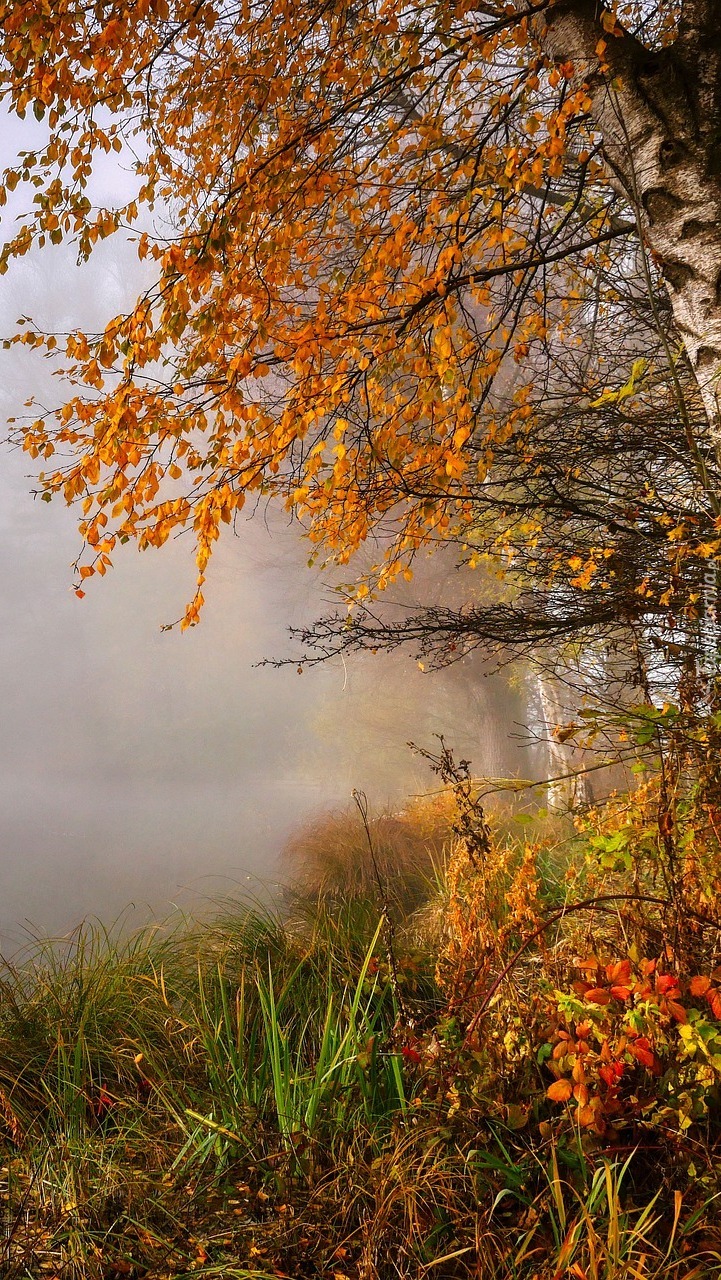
(599, 995)
(666, 982)
(642, 1052)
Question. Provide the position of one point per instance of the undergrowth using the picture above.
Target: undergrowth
(506, 1069)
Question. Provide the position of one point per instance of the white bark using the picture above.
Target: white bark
(568, 782)
(658, 114)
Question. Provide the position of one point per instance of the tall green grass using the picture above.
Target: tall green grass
(298, 1050)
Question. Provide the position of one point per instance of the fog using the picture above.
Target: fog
(142, 770)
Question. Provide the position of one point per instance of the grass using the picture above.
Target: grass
(329, 856)
(268, 1094)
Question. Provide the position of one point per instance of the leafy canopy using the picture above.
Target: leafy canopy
(376, 228)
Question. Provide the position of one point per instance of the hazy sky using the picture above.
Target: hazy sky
(146, 767)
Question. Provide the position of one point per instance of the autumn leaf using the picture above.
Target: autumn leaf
(598, 995)
(560, 1091)
(666, 983)
(366, 232)
(699, 986)
(621, 993)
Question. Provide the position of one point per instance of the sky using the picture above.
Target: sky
(143, 770)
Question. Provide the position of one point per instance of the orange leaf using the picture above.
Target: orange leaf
(598, 995)
(611, 1073)
(699, 986)
(666, 982)
(642, 1054)
(620, 972)
(677, 1011)
(560, 1091)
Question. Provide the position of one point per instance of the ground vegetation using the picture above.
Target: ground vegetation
(517, 1079)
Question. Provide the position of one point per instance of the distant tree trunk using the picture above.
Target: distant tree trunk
(569, 784)
(658, 115)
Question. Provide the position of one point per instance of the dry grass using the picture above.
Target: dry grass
(330, 856)
(246, 1098)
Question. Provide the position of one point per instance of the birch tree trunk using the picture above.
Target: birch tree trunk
(658, 114)
(569, 784)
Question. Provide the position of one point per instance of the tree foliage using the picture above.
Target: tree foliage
(415, 275)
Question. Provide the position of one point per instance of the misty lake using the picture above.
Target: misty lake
(160, 769)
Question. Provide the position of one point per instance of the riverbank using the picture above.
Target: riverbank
(369, 1082)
